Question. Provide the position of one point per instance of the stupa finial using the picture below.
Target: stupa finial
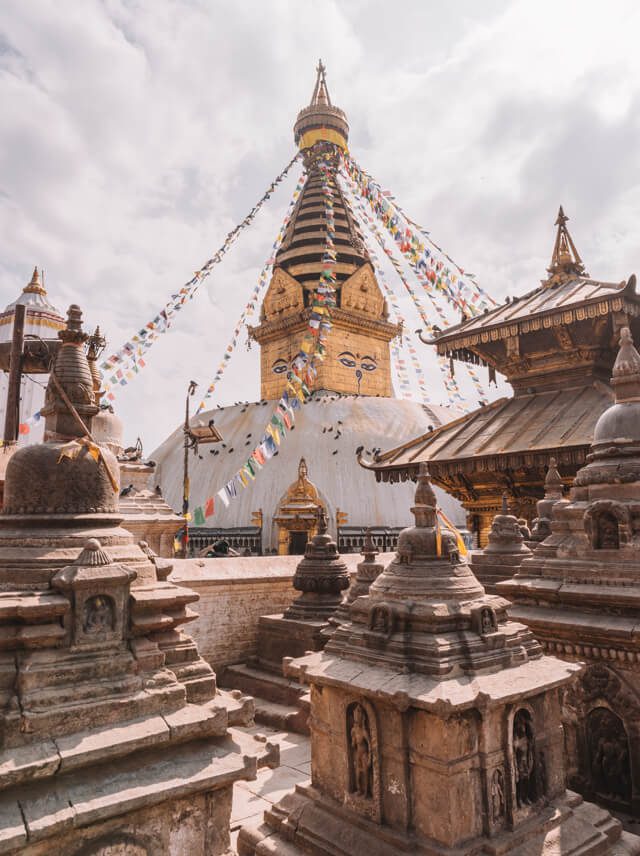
(321, 121)
(323, 523)
(505, 506)
(626, 369)
(566, 263)
(320, 92)
(35, 286)
(553, 481)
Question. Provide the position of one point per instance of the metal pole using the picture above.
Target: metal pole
(12, 414)
(185, 473)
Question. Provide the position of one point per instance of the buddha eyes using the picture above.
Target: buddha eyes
(347, 360)
(279, 367)
(367, 363)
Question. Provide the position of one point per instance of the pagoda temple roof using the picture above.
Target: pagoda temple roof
(545, 306)
(537, 425)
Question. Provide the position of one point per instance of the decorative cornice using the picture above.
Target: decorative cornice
(269, 330)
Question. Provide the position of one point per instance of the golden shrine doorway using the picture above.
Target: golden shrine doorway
(297, 514)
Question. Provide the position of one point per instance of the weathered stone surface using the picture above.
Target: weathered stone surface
(580, 593)
(435, 725)
(104, 749)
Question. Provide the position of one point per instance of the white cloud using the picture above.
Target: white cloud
(136, 134)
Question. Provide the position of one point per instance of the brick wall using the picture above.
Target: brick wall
(234, 593)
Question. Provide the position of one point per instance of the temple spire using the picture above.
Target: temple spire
(566, 263)
(320, 95)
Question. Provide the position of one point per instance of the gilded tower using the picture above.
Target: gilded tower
(357, 358)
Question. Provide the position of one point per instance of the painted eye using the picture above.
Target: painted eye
(279, 367)
(347, 359)
(368, 364)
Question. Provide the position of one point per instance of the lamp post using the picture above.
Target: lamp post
(189, 443)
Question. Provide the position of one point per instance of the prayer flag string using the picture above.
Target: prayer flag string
(126, 362)
(250, 307)
(301, 378)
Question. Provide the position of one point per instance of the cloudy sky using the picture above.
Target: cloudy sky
(136, 133)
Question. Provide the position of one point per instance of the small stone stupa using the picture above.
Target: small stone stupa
(506, 549)
(435, 725)
(580, 594)
(321, 578)
(553, 492)
(114, 739)
(367, 572)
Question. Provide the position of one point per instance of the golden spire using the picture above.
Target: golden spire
(321, 121)
(566, 263)
(35, 286)
(320, 95)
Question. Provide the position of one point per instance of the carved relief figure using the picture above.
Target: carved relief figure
(98, 614)
(487, 621)
(360, 751)
(497, 795)
(607, 534)
(524, 759)
(609, 755)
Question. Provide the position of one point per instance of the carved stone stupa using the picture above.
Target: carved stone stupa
(435, 725)
(114, 739)
(506, 549)
(580, 595)
(321, 577)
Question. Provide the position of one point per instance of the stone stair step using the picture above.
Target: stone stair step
(282, 717)
(262, 684)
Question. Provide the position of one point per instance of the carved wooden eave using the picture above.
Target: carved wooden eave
(520, 316)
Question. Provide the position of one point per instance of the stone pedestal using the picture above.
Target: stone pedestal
(281, 637)
(580, 594)
(435, 726)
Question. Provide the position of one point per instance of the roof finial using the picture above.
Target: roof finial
(35, 286)
(566, 263)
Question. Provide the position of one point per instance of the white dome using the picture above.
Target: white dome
(42, 318)
(328, 430)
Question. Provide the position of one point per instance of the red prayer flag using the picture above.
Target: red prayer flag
(209, 507)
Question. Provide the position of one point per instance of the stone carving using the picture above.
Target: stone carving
(609, 755)
(99, 616)
(360, 751)
(488, 623)
(497, 795)
(607, 523)
(381, 620)
(524, 759)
